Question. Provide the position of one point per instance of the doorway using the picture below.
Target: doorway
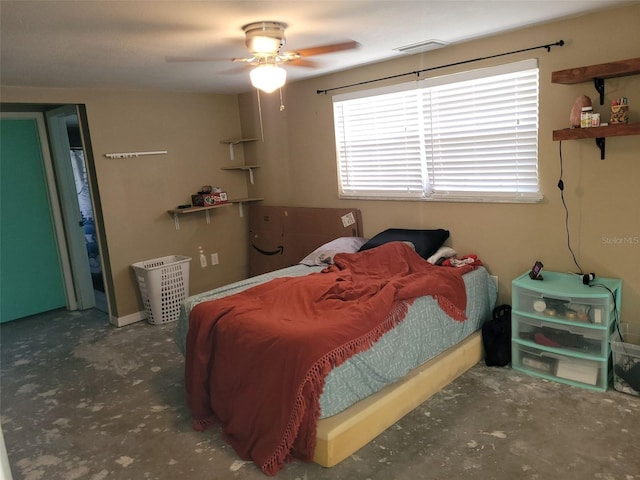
(88, 220)
(70, 160)
(66, 145)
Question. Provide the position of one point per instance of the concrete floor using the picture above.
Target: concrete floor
(84, 400)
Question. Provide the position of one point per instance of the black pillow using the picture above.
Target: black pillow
(426, 242)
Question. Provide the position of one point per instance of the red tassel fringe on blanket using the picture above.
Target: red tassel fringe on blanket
(256, 361)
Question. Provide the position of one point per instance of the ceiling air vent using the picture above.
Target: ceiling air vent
(421, 47)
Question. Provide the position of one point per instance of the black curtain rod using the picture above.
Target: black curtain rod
(548, 46)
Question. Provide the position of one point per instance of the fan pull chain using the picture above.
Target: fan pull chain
(260, 110)
(260, 114)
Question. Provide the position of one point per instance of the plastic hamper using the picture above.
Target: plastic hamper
(626, 359)
(164, 284)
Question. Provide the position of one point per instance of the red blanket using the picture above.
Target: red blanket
(256, 361)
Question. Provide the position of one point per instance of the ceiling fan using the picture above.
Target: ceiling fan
(265, 40)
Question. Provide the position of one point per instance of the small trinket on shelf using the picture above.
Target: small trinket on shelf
(619, 111)
(581, 101)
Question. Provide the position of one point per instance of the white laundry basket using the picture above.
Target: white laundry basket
(164, 284)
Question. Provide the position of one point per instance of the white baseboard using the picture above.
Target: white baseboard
(128, 319)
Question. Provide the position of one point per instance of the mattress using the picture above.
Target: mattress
(425, 332)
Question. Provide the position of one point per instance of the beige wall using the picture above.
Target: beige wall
(136, 193)
(297, 162)
(602, 196)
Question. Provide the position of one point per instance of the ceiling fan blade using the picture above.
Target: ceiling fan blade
(336, 47)
(245, 60)
(302, 62)
(178, 59)
(237, 69)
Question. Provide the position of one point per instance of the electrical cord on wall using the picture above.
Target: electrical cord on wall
(566, 209)
(616, 318)
(598, 285)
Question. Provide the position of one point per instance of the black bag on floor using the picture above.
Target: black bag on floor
(496, 337)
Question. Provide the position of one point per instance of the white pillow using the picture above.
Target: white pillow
(441, 254)
(323, 255)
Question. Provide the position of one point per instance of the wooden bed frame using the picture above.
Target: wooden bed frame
(341, 435)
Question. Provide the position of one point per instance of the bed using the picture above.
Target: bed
(362, 393)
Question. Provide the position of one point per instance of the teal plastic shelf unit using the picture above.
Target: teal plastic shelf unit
(562, 329)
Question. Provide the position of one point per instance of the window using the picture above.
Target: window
(471, 136)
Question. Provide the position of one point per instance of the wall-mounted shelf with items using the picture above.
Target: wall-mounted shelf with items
(178, 212)
(599, 133)
(597, 74)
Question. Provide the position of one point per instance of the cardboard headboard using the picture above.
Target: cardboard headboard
(282, 236)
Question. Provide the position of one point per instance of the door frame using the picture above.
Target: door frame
(76, 244)
(54, 203)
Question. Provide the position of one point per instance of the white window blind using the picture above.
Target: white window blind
(470, 136)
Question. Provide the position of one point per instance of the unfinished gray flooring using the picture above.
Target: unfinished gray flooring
(85, 400)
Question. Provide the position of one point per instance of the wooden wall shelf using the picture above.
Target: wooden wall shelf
(178, 212)
(236, 141)
(187, 211)
(597, 74)
(597, 132)
(603, 70)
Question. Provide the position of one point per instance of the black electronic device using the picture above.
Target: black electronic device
(535, 273)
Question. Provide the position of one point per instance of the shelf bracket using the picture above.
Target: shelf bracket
(241, 209)
(600, 144)
(598, 83)
(251, 175)
(176, 221)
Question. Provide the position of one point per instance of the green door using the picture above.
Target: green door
(30, 271)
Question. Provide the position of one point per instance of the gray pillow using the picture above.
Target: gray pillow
(323, 255)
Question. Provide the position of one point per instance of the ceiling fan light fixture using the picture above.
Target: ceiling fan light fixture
(261, 44)
(268, 77)
(266, 38)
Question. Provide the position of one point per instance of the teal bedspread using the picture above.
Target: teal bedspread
(425, 332)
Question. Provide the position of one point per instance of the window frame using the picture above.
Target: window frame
(531, 191)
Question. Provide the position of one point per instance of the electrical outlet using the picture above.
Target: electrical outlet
(203, 257)
(214, 259)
